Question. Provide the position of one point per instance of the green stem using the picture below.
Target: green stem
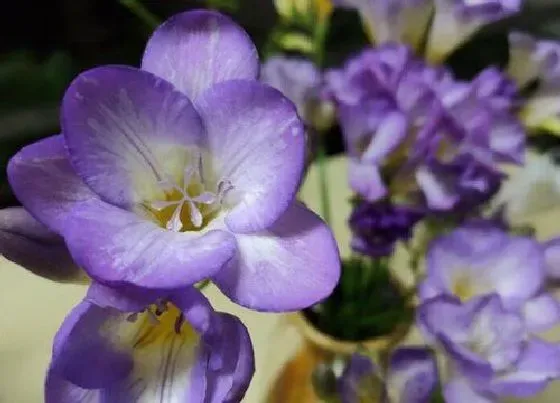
(138, 9)
(323, 180)
(320, 35)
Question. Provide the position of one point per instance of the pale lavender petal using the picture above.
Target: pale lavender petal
(412, 376)
(121, 247)
(455, 21)
(298, 79)
(538, 365)
(479, 259)
(541, 313)
(292, 265)
(388, 136)
(28, 243)
(552, 257)
(126, 131)
(365, 179)
(197, 49)
(257, 143)
(459, 390)
(45, 183)
(404, 21)
(439, 195)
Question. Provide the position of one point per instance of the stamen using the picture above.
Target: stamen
(175, 223)
(133, 317)
(178, 323)
(152, 317)
(177, 196)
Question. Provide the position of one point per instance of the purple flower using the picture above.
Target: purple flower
(532, 60)
(117, 348)
(299, 80)
(28, 243)
(412, 377)
(409, 21)
(455, 21)
(415, 131)
(490, 352)
(404, 21)
(481, 259)
(377, 227)
(183, 170)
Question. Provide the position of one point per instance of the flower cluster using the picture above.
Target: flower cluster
(425, 146)
(180, 171)
(417, 135)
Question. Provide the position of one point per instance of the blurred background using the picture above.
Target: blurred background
(45, 44)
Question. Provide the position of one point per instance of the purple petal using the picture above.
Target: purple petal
(83, 338)
(257, 143)
(227, 345)
(541, 313)
(552, 258)
(292, 265)
(478, 259)
(45, 183)
(539, 364)
(366, 180)
(439, 195)
(389, 135)
(298, 79)
(59, 390)
(196, 49)
(413, 375)
(28, 243)
(127, 131)
(459, 390)
(119, 247)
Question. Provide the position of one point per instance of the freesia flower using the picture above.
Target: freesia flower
(301, 82)
(414, 132)
(481, 259)
(411, 377)
(122, 348)
(537, 61)
(491, 355)
(28, 243)
(183, 170)
(447, 24)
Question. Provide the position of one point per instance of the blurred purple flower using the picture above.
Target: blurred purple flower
(455, 21)
(155, 182)
(301, 82)
(490, 352)
(377, 227)
(413, 130)
(116, 348)
(531, 61)
(28, 243)
(412, 377)
(404, 21)
(447, 23)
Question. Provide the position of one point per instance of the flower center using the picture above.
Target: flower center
(188, 206)
(463, 288)
(157, 322)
